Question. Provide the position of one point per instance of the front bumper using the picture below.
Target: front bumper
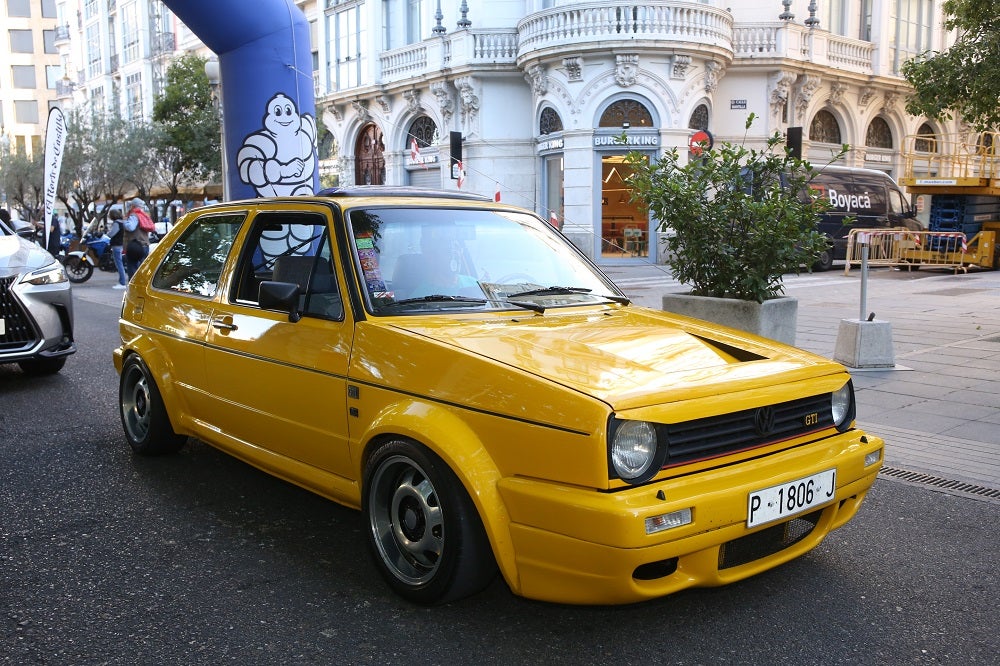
(38, 321)
(575, 545)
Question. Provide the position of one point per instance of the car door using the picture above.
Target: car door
(278, 382)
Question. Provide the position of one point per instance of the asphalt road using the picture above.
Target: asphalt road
(106, 558)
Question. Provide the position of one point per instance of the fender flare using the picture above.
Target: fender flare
(452, 440)
(82, 256)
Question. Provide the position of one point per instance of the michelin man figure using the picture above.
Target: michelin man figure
(280, 159)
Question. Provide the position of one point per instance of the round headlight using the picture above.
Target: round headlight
(842, 405)
(633, 449)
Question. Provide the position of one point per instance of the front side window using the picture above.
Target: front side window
(420, 259)
(292, 248)
(194, 264)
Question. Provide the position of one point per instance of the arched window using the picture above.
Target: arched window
(878, 135)
(626, 111)
(824, 128)
(423, 130)
(550, 121)
(925, 142)
(699, 118)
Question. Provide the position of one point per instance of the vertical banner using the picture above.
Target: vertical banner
(55, 140)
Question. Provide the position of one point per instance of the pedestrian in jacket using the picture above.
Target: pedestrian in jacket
(135, 239)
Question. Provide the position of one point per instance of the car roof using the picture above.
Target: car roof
(394, 191)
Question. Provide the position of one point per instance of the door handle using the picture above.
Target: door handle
(224, 325)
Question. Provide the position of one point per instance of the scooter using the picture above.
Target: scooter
(92, 251)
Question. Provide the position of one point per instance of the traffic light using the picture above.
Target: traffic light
(793, 139)
(456, 153)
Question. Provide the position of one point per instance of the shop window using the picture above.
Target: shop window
(878, 135)
(699, 118)
(424, 130)
(626, 111)
(925, 142)
(824, 128)
(550, 122)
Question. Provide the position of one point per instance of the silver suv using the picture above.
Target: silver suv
(36, 307)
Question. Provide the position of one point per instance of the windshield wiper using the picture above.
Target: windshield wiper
(437, 298)
(545, 291)
(556, 291)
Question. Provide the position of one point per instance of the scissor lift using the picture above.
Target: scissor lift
(961, 172)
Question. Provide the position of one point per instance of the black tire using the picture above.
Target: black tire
(144, 416)
(426, 536)
(37, 367)
(77, 270)
(824, 262)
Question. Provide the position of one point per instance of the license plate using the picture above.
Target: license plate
(789, 499)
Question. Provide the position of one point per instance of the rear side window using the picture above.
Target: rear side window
(194, 263)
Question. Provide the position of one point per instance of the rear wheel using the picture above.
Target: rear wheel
(425, 533)
(78, 270)
(144, 416)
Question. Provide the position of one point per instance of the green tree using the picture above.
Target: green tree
(965, 78)
(188, 150)
(738, 218)
(22, 179)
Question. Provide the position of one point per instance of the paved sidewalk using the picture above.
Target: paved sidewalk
(939, 409)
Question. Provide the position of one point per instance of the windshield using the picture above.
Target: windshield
(419, 259)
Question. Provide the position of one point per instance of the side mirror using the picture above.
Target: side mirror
(281, 296)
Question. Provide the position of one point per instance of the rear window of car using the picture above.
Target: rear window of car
(194, 263)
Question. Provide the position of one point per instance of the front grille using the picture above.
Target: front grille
(18, 331)
(718, 435)
(768, 541)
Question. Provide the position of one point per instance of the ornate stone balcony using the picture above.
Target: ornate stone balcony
(789, 41)
(619, 24)
(600, 26)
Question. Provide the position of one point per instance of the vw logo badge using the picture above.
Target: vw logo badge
(763, 420)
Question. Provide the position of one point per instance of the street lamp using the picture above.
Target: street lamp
(215, 82)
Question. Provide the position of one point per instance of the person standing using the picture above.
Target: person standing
(135, 240)
(116, 231)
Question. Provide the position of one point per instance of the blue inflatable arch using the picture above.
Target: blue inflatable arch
(268, 104)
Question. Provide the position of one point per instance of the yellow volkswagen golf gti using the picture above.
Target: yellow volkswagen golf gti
(462, 374)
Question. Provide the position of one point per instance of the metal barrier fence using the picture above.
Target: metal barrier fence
(904, 248)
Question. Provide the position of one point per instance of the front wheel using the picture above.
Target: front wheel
(425, 533)
(78, 270)
(144, 416)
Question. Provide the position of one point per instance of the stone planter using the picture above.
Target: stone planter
(775, 318)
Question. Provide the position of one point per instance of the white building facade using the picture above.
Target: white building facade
(114, 53)
(542, 90)
(29, 72)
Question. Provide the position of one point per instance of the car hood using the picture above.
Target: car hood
(628, 357)
(18, 255)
